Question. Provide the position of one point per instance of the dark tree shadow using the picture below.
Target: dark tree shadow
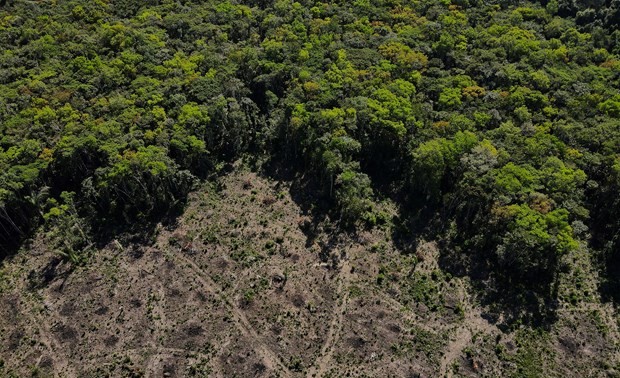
(512, 303)
(604, 227)
(610, 283)
(16, 230)
(509, 299)
(305, 191)
(9, 245)
(127, 231)
(416, 219)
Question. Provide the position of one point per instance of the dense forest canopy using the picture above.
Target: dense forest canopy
(495, 124)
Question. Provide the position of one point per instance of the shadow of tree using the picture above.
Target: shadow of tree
(304, 191)
(610, 283)
(511, 300)
(14, 235)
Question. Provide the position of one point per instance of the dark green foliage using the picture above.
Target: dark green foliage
(494, 124)
(68, 233)
(138, 184)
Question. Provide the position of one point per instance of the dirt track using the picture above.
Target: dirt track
(237, 289)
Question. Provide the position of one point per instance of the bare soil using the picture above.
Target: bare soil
(236, 289)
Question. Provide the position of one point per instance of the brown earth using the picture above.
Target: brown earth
(236, 289)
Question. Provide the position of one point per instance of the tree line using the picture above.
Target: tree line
(496, 122)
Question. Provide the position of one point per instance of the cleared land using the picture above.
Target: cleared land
(245, 284)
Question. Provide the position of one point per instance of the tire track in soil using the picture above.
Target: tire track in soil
(335, 327)
(271, 359)
(45, 335)
(454, 349)
(158, 317)
(154, 364)
(473, 324)
(408, 315)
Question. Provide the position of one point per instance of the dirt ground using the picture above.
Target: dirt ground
(240, 288)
